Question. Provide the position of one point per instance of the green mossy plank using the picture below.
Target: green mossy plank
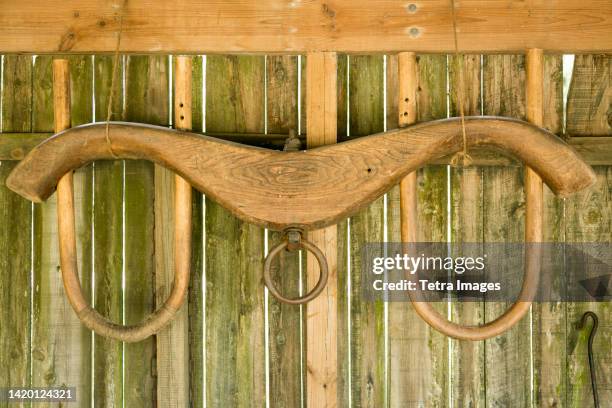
(367, 339)
(108, 244)
(467, 359)
(588, 219)
(196, 292)
(61, 345)
(508, 372)
(549, 318)
(419, 357)
(146, 101)
(235, 355)
(285, 321)
(343, 378)
(15, 234)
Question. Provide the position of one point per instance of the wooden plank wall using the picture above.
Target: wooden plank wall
(244, 347)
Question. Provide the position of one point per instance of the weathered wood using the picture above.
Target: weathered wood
(15, 234)
(507, 364)
(61, 346)
(549, 318)
(402, 87)
(279, 26)
(285, 321)
(431, 386)
(196, 289)
(343, 380)
(108, 245)
(172, 341)
(315, 198)
(595, 151)
(589, 102)
(146, 93)
(366, 116)
(235, 365)
(467, 359)
(322, 312)
(588, 220)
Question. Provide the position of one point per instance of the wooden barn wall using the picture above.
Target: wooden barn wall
(241, 347)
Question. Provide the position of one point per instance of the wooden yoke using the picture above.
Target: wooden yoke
(305, 189)
(68, 254)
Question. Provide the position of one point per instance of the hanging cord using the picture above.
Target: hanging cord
(109, 108)
(582, 325)
(461, 157)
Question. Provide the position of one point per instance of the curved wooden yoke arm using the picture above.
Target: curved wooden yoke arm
(307, 189)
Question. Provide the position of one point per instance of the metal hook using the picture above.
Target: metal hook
(582, 324)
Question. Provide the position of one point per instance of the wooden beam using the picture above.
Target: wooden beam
(594, 150)
(321, 320)
(279, 26)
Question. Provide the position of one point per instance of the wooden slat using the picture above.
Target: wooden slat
(280, 26)
(467, 357)
(588, 220)
(171, 341)
(196, 289)
(15, 235)
(61, 345)
(285, 325)
(343, 312)
(366, 113)
(549, 331)
(235, 365)
(507, 362)
(420, 376)
(322, 312)
(590, 96)
(147, 88)
(108, 245)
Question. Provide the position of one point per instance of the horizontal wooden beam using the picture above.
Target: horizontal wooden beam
(298, 26)
(596, 151)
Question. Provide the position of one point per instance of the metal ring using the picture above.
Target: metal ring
(322, 277)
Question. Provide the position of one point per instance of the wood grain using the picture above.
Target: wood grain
(303, 189)
(569, 26)
(15, 235)
(196, 288)
(235, 361)
(287, 333)
(549, 318)
(595, 151)
(467, 358)
(108, 245)
(61, 346)
(419, 361)
(172, 341)
(146, 94)
(588, 220)
(322, 313)
(507, 365)
(366, 116)
(589, 102)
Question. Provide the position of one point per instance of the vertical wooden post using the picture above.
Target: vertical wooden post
(321, 360)
(172, 341)
(534, 188)
(402, 391)
(407, 78)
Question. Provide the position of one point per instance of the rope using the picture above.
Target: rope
(111, 96)
(461, 157)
